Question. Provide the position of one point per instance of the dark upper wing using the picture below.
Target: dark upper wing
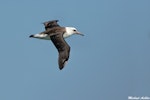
(51, 24)
(62, 47)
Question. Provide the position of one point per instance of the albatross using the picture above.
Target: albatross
(56, 34)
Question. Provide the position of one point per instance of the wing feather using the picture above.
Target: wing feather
(63, 49)
(51, 24)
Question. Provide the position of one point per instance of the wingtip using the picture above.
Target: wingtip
(62, 66)
(50, 21)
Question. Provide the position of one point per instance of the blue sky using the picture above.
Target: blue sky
(111, 62)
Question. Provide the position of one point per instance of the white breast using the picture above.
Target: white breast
(65, 35)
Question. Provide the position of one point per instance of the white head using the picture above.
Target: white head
(70, 31)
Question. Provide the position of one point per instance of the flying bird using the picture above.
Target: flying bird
(56, 34)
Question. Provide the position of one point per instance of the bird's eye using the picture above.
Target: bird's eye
(74, 30)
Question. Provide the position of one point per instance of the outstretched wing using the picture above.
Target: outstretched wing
(51, 24)
(63, 49)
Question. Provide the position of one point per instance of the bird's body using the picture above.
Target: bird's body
(56, 34)
(66, 31)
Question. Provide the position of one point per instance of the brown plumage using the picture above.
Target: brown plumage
(50, 24)
(56, 36)
(62, 47)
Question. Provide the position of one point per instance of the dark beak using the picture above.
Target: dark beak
(79, 33)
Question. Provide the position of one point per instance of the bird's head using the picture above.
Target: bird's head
(72, 30)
